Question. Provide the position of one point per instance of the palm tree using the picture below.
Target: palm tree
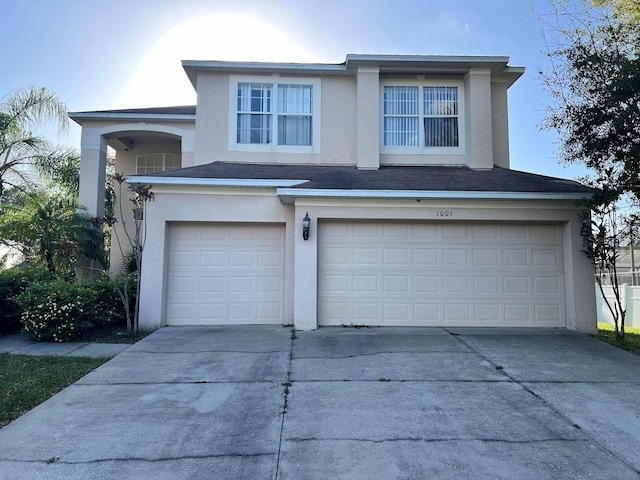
(49, 230)
(20, 113)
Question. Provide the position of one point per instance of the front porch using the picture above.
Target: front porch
(142, 141)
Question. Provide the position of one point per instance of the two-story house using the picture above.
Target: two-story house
(373, 192)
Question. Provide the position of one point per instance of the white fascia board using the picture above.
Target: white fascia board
(192, 67)
(140, 117)
(214, 182)
(466, 59)
(222, 66)
(288, 194)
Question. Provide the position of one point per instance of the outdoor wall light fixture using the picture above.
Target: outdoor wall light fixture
(306, 225)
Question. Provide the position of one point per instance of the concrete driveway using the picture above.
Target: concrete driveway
(208, 403)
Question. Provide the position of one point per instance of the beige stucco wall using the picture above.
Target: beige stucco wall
(184, 132)
(500, 121)
(338, 127)
(262, 205)
(578, 270)
(205, 205)
(483, 132)
(97, 134)
(126, 160)
(368, 118)
(212, 118)
(351, 122)
(126, 165)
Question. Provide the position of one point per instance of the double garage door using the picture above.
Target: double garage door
(439, 274)
(372, 273)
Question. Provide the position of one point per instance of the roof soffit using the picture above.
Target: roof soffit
(399, 64)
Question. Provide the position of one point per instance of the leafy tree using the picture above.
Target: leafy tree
(131, 247)
(23, 154)
(61, 171)
(593, 82)
(20, 113)
(626, 10)
(601, 247)
(50, 231)
(61, 174)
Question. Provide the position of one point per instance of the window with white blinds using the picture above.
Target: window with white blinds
(401, 116)
(440, 116)
(295, 110)
(279, 114)
(420, 116)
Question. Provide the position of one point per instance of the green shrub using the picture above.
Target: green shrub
(108, 303)
(57, 311)
(13, 282)
(45, 309)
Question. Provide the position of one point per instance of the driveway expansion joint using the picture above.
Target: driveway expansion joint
(521, 383)
(436, 440)
(287, 385)
(403, 380)
(57, 460)
(177, 382)
(396, 352)
(153, 352)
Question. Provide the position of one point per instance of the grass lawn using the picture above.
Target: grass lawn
(26, 381)
(631, 341)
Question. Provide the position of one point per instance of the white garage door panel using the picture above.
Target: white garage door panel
(440, 274)
(225, 274)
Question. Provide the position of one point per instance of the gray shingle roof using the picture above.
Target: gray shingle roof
(424, 178)
(176, 110)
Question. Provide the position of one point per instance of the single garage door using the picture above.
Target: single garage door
(220, 274)
(440, 274)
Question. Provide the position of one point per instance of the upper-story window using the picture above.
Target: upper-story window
(421, 118)
(254, 112)
(282, 114)
(440, 116)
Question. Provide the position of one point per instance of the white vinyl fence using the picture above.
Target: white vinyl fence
(630, 298)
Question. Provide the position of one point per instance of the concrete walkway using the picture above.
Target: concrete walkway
(261, 403)
(21, 344)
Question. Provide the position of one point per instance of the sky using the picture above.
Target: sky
(110, 54)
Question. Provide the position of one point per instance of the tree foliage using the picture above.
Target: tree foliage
(61, 170)
(20, 113)
(593, 81)
(131, 242)
(49, 231)
(625, 10)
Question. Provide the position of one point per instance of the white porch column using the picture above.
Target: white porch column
(93, 171)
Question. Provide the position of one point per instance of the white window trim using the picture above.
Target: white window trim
(164, 161)
(422, 150)
(275, 79)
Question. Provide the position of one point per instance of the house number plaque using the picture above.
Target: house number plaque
(444, 213)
